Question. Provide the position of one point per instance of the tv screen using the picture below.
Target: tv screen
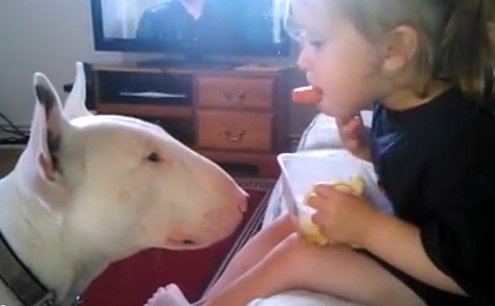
(190, 27)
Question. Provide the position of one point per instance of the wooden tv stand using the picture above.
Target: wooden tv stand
(228, 115)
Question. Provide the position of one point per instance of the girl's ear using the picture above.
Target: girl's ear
(401, 45)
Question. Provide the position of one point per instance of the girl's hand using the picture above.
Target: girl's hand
(341, 217)
(353, 135)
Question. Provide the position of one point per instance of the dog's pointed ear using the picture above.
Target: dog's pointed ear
(48, 127)
(75, 105)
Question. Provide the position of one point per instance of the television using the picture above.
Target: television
(191, 30)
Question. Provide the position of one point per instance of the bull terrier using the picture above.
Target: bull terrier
(92, 189)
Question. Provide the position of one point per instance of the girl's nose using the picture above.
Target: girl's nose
(305, 59)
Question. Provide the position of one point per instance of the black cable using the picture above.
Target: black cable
(15, 129)
(19, 135)
(12, 131)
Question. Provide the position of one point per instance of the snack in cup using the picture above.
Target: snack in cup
(307, 95)
(309, 230)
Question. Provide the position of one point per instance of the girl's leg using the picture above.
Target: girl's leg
(295, 263)
(254, 250)
(336, 270)
(250, 254)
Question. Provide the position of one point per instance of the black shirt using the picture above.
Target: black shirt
(170, 24)
(436, 163)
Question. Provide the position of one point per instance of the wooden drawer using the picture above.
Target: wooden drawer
(234, 130)
(235, 92)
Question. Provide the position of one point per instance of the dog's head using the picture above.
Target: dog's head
(119, 184)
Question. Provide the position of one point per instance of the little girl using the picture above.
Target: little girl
(423, 65)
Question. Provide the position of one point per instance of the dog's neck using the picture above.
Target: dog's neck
(42, 240)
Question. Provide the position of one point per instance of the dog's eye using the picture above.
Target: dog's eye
(153, 157)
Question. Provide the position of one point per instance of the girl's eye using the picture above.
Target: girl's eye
(153, 157)
(313, 41)
(317, 44)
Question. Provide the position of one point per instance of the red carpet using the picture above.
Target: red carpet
(132, 281)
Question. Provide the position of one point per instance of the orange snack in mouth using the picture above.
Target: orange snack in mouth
(307, 95)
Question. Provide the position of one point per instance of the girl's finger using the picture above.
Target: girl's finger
(315, 201)
(324, 190)
(353, 125)
(342, 121)
(319, 220)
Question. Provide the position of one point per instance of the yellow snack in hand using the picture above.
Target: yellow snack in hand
(355, 186)
(308, 228)
(311, 231)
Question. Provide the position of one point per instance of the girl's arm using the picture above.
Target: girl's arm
(399, 243)
(349, 219)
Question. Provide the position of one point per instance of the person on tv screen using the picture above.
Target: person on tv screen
(189, 24)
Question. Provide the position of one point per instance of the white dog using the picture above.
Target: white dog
(89, 190)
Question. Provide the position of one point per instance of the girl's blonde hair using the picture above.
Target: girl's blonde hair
(453, 36)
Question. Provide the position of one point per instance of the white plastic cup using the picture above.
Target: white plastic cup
(301, 171)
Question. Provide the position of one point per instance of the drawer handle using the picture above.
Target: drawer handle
(234, 136)
(235, 99)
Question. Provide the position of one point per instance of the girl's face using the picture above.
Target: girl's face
(337, 58)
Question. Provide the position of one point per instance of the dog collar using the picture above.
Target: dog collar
(19, 279)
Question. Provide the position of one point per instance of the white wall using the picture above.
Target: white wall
(50, 36)
(41, 35)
